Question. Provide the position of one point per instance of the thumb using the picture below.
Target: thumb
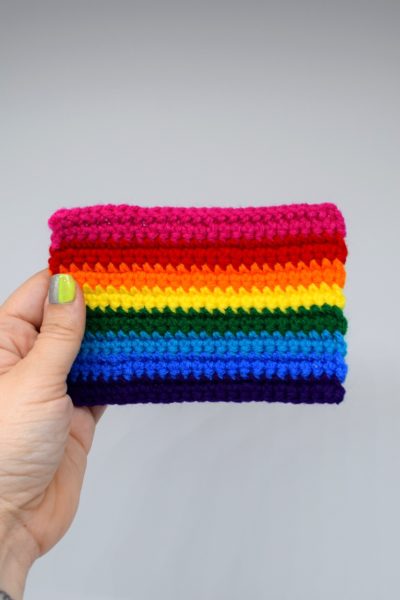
(61, 331)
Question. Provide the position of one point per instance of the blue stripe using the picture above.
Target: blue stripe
(203, 364)
(192, 343)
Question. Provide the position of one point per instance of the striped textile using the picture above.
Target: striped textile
(206, 304)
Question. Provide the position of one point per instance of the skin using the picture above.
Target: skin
(45, 440)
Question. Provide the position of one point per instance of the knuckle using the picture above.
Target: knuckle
(60, 331)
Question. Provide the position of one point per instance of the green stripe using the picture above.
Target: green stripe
(316, 318)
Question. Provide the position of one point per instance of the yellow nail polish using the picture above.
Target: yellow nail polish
(62, 289)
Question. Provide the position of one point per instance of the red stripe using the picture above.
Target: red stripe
(213, 255)
(277, 242)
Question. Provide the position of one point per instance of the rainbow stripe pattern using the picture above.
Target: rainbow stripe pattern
(206, 304)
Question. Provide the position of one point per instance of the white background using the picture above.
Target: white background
(232, 104)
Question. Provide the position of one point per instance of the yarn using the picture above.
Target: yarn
(206, 304)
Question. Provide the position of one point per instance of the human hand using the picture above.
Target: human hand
(44, 439)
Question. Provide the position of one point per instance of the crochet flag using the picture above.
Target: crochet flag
(206, 304)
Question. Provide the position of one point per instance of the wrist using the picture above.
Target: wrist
(17, 554)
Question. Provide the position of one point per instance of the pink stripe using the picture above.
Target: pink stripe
(163, 224)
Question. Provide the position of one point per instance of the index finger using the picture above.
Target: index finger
(27, 301)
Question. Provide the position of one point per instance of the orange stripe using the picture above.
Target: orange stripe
(330, 272)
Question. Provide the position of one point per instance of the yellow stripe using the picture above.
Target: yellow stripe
(156, 297)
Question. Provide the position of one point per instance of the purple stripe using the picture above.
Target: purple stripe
(323, 390)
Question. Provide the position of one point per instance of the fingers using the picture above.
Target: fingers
(27, 302)
(97, 412)
(55, 306)
(61, 331)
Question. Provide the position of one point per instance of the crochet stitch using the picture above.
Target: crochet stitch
(206, 304)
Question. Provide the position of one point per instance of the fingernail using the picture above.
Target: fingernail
(62, 289)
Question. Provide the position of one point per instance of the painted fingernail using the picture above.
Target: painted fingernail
(62, 289)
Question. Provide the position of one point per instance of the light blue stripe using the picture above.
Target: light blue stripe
(192, 343)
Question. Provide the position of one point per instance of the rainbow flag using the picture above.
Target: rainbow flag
(206, 304)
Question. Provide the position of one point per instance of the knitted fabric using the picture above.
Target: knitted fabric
(206, 304)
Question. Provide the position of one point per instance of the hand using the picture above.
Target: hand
(44, 439)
